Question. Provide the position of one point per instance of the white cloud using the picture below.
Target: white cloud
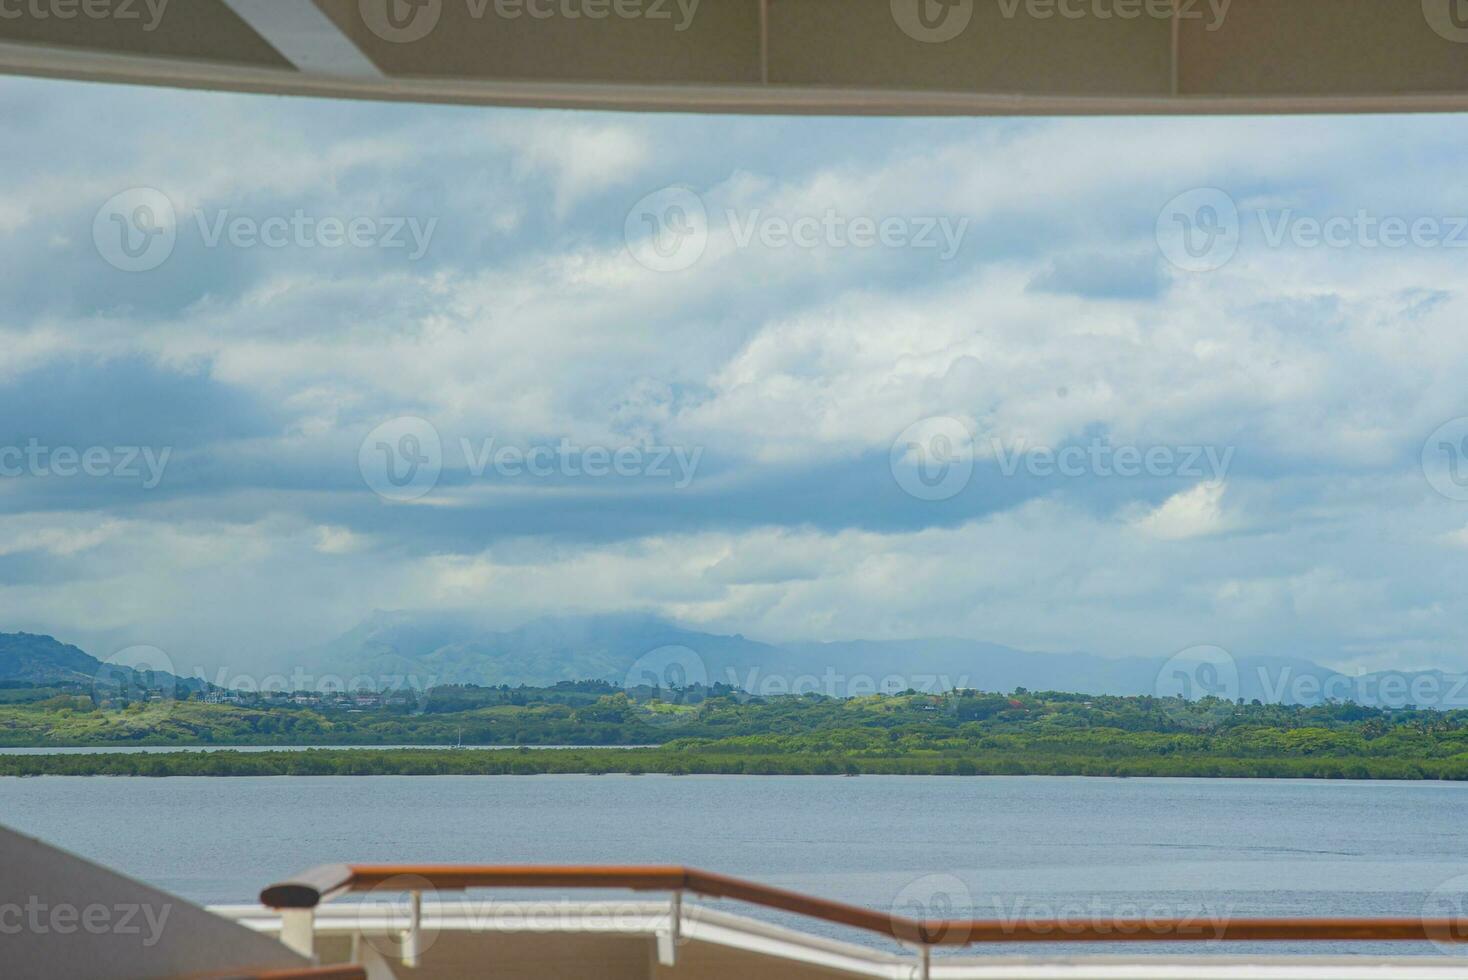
(38, 532)
(583, 157)
(338, 540)
(1192, 513)
(529, 322)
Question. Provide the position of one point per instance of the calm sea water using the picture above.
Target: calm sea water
(993, 847)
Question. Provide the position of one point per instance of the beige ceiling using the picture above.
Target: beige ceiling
(861, 56)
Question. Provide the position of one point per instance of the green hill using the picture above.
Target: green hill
(32, 659)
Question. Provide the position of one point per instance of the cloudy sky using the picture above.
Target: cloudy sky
(1118, 385)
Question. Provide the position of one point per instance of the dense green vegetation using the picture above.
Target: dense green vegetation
(715, 758)
(724, 731)
(570, 713)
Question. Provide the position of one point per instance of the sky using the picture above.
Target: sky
(1116, 385)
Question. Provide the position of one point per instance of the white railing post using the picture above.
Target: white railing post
(925, 962)
(412, 942)
(298, 930)
(669, 938)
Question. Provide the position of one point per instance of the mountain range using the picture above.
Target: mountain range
(422, 650)
(418, 650)
(31, 658)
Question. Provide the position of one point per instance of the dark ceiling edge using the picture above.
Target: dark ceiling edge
(74, 64)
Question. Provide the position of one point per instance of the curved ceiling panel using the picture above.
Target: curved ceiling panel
(850, 56)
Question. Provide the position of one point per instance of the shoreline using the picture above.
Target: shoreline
(156, 748)
(528, 761)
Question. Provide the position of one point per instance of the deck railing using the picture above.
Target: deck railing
(339, 971)
(297, 897)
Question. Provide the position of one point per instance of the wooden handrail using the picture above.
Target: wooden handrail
(337, 971)
(327, 881)
(310, 888)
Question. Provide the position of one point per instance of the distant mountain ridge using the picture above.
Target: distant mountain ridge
(432, 649)
(406, 650)
(428, 649)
